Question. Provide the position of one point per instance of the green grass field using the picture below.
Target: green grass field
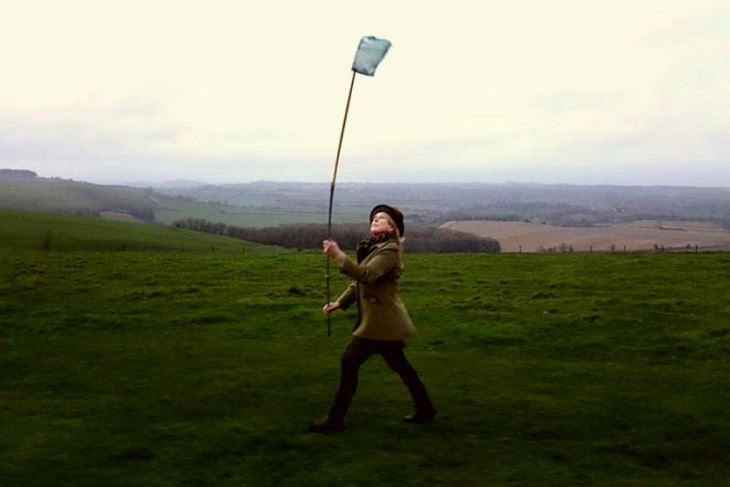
(191, 368)
(21, 230)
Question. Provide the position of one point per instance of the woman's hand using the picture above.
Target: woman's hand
(330, 307)
(331, 248)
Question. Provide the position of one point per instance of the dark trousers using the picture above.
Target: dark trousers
(356, 354)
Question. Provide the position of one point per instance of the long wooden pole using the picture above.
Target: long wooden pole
(332, 194)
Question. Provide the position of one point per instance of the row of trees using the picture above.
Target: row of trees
(431, 240)
(17, 174)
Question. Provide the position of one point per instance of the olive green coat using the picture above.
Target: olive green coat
(381, 313)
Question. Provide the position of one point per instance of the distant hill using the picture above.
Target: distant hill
(178, 183)
(54, 195)
(270, 204)
(434, 204)
(65, 196)
(22, 230)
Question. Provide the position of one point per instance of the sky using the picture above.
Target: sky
(578, 92)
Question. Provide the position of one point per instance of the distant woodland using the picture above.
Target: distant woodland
(17, 174)
(430, 240)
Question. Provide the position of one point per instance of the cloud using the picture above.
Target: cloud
(188, 89)
(84, 133)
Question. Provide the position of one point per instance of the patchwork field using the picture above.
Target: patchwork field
(636, 236)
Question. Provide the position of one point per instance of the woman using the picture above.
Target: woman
(382, 322)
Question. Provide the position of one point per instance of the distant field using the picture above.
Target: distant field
(642, 235)
(250, 217)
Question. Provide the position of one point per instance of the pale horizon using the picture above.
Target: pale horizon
(566, 92)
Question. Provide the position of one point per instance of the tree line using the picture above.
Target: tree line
(418, 239)
(17, 174)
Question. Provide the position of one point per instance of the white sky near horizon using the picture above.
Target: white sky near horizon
(567, 91)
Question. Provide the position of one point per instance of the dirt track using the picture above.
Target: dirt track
(644, 235)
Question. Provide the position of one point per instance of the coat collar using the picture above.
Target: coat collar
(368, 246)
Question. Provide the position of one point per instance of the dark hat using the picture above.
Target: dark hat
(393, 213)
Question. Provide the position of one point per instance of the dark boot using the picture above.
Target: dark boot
(425, 412)
(396, 360)
(327, 425)
(352, 359)
(423, 415)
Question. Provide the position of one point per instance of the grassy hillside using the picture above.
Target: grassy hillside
(64, 196)
(20, 230)
(73, 197)
(162, 369)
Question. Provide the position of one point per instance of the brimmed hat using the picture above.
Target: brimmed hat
(393, 213)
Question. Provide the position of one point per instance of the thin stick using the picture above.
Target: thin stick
(332, 194)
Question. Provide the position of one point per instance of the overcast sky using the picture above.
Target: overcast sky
(584, 91)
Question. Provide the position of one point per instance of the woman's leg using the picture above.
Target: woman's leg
(356, 353)
(397, 361)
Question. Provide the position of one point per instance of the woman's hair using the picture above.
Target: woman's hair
(392, 224)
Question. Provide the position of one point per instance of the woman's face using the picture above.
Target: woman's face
(380, 225)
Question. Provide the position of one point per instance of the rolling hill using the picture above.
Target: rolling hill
(270, 204)
(65, 196)
(22, 230)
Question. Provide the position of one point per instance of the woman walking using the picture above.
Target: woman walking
(382, 323)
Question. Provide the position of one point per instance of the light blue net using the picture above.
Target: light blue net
(370, 52)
